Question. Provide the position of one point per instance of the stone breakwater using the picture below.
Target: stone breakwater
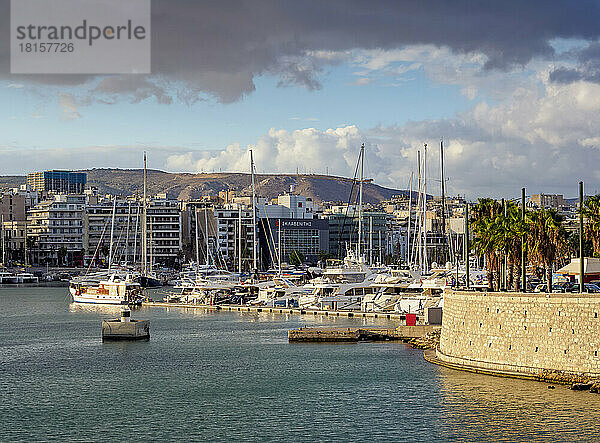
(549, 337)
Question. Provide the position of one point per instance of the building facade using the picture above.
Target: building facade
(63, 182)
(280, 237)
(55, 230)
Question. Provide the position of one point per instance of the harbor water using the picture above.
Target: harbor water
(223, 376)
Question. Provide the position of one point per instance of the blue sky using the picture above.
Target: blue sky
(33, 118)
(512, 87)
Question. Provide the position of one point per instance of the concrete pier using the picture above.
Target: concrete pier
(359, 334)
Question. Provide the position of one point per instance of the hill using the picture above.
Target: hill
(188, 186)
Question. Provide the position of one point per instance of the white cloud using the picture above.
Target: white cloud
(69, 106)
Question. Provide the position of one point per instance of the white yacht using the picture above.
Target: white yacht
(114, 291)
(8, 278)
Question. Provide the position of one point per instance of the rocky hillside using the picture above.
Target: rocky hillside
(184, 186)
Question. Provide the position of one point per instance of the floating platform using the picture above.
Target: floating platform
(359, 334)
(125, 328)
(282, 310)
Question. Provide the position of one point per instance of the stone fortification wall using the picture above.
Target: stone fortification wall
(522, 333)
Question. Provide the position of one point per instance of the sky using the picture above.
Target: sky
(511, 87)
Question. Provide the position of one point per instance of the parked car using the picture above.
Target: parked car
(561, 287)
(589, 288)
(541, 287)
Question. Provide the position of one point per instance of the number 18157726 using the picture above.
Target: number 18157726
(46, 47)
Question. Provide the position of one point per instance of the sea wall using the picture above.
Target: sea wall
(516, 333)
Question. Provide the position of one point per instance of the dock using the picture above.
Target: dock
(283, 310)
(403, 333)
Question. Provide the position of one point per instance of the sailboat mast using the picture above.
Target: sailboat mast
(240, 241)
(360, 197)
(370, 240)
(279, 245)
(197, 240)
(112, 230)
(144, 227)
(206, 236)
(254, 266)
(127, 235)
(409, 219)
(425, 208)
(419, 218)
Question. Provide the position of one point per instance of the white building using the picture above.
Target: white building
(56, 229)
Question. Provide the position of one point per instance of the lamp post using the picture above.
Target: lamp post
(581, 254)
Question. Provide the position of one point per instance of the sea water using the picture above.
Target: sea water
(229, 376)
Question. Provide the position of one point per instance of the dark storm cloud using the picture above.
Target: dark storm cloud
(588, 67)
(217, 48)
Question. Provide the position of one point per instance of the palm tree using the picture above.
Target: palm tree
(547, 238)
(509, 231)
(485, 230)
(591, 212)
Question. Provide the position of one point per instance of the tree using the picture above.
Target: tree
(547, 238)
(484, 229)
(296, 258)
(591, 212)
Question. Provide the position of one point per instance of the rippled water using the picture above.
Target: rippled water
(233, 376)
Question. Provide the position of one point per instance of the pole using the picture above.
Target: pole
(3, 252)
(197, 240)
(254, 266)
(112, 229)
(206, 236)
(581, 251)
(379, 246)
(504, 271)
(370, 240)
(424, 208)
(240, 241)
(127, 234)
(25, 243)
(279, 245)
(467, 246)
(419, 236)
(409, 218)
(443, 203)
(137, 220)
(360, 198)
(144, 227)
(523, 245)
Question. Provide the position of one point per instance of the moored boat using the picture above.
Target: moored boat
(114, 291)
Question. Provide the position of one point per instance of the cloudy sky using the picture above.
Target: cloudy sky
(513, 88)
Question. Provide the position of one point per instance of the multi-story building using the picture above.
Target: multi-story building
(12, 207)
(548, 201)
(55, 228)
(97, 224)
(343, 234)
(280, 237)
(13, 236)
(234, 221)
(164, 232)
(63, 182)
(163, 221)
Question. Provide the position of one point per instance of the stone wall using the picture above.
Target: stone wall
(522, 333)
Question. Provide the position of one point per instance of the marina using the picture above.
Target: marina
(251, 384)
